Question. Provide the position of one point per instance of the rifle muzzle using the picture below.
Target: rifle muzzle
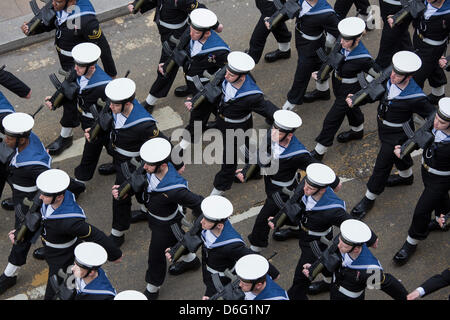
(408, 149)
(21, 234)
(138, 6)
(276, 21)
(169, 67)
(198, 101)
(33, 26)
(123, 191)
(357, 99)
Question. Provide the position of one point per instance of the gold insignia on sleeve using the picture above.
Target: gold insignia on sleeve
(155, 132)
(96, 33)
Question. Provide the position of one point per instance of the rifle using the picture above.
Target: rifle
(2, 67)
(102, 120)
(187, 242)
(372, 89)
(446, 66)
(68, 88)
(409, 7)
(31, 221)
(211, 91)
(135, 181)
(287, 10)
(288, 209)
(328, 259)
(43, 15)
(421, 138)
(63, 291)
(179, 55)
(331, 61)
(137, 5)
(231, 291)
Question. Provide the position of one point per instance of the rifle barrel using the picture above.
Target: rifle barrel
(276, 21)
(33, 27)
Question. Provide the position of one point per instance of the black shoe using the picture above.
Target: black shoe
(277, 55)
(435, 99)
(6, 282)
(106, 169)
(118, 241)
(182, 91)
(361, 209)
(211, 124)
(182, 266)
(285, 234)
(395, 180)
(318, 287)
(316, 155)
(76, 187)
(138, 216)
(151, 295)
(403, 255)
(316, 95)
(8, 204)
(148, 107)
(39, 253)
(349, 135)
(59, 145)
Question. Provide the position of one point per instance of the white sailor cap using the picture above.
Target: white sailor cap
(90, 255)
(240, 62)
(18, 124)
(351, 28)
(355, 232)
(202, 19)
(121, 90)
(155, 151)
(406, 62)
(444, 109)
(52, 182)
(252, 267)
(216, 208)
(319, 175)
(86, 53)
(286, 120)
(130, 295)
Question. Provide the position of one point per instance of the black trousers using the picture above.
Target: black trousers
(342, 7)
(91, 154)
(70, 109)
(383, 166)
(260, 32)
(334, 118)
(161, 239)
(162, 84)
(300, 283)
(121, 208)
(433, 198)
(430, 69)
(392, 41)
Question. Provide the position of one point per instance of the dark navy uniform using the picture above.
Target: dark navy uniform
(13, 84)
(342, 7)
(5, 109)
(63, 229)
(234, 113)
(272, 291)
(436, 282)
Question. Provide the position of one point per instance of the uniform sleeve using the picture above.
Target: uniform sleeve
(331, 23)
(188, 199)
(263, 107)
(393, 287)
(14, 84)
(146, 6)
(92, 32)
(437, 282)
(423, 107)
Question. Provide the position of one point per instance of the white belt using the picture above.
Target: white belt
(434, 171)
(201, 79)
(171, 25)
(284, 183)
(64, 52)
(346, 80)
(349, 293)
(173, 215)
(392, 124)
(393, 2)
(310, 38)
(25, 189)
(430, 41)
(61, 245)
(127, 153)
(237, 120)
(319, 234)
(218, 272)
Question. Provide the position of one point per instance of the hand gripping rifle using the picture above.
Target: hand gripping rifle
(137, 5)
(446, 66)
(373, 89)
(210, 91)
(231, 291)
(31, 221)
(287, 10)
(329, 259)
(288, 209)
(179, 55)
(409, 7)
(419, 139)
(43, 15)
(102, 120)
(68, 88)
(330, 62)
(187, 241)
(135, 181)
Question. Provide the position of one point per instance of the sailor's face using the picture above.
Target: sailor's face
(346, 44)
(78, 272)
(149, 168)
(59, 5)
(396, 78)
(80, 70)
(308, 190)
(206, 224)
(46, 199)
(10, 141)
(343, 247)
(195, 34)
(440, 124)
(230, 76)
(116, 108)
